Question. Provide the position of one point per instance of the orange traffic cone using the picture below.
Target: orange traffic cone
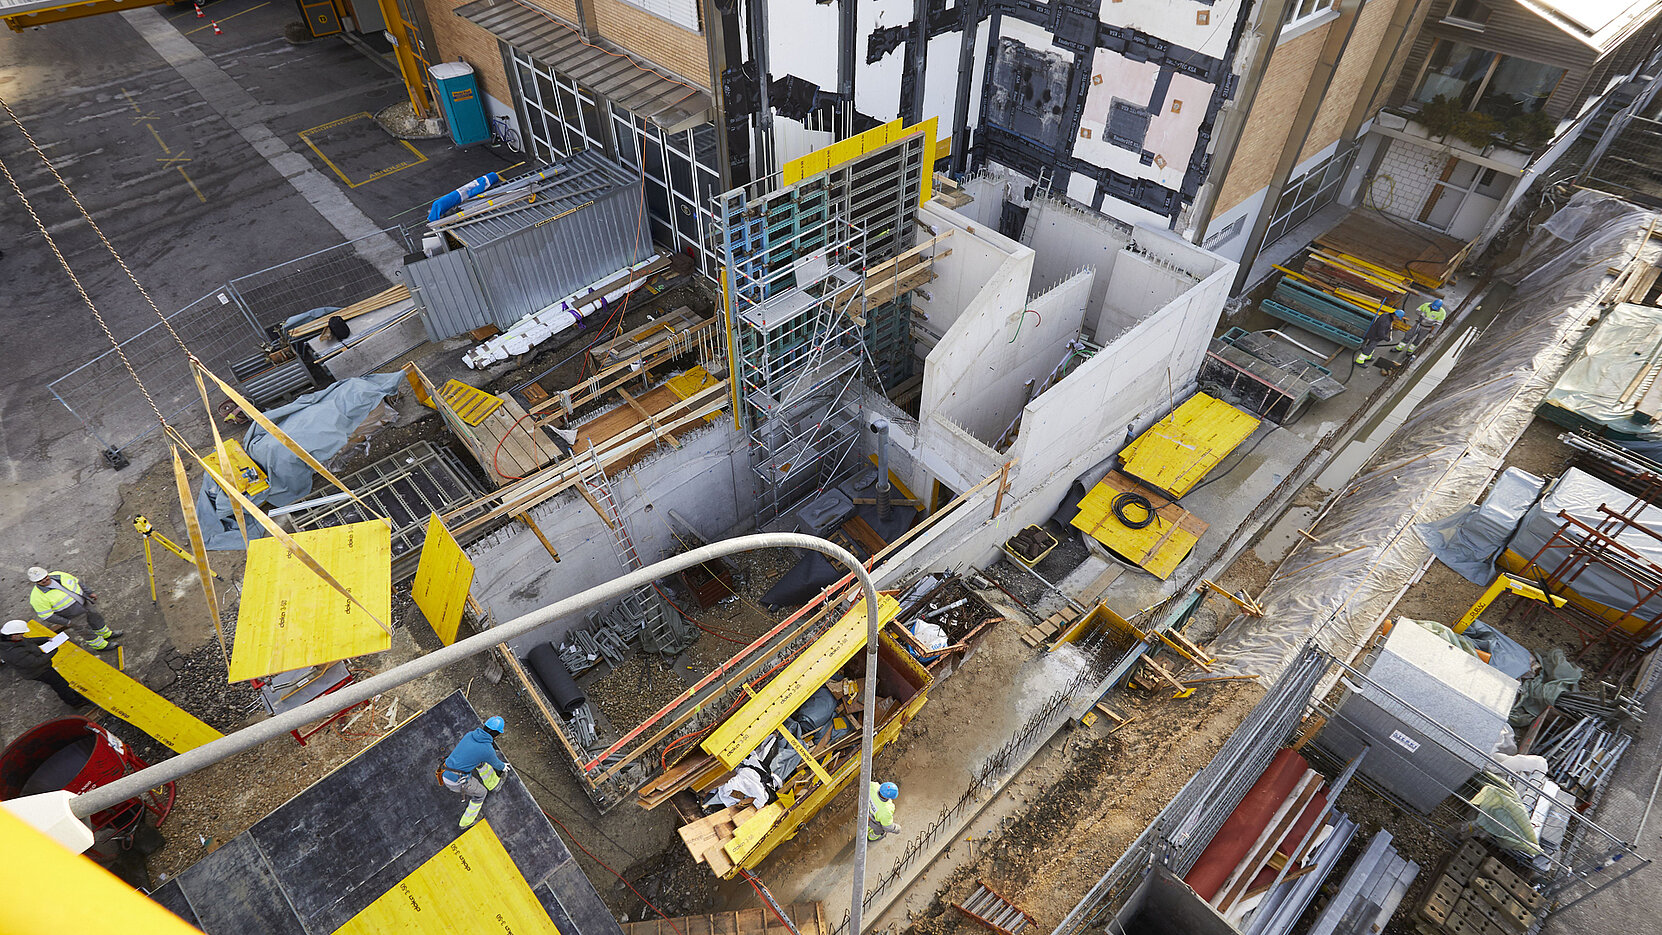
(199, 13)
(217, 30)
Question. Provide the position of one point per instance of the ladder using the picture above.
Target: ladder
(661, 631)
(987, 907)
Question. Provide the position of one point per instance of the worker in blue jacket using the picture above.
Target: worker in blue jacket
(475, 767)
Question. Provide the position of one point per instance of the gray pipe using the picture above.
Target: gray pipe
(880, 428)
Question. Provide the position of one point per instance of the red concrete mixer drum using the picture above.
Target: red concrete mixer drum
(75, 754)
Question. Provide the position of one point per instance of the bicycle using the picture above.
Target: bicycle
(504, 134)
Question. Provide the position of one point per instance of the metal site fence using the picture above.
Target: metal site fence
(223, 327)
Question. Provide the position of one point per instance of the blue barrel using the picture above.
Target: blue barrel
(459, 97)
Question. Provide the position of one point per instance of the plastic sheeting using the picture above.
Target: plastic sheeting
(1557, 676)
(1580, 495)
(1336, 589)
(1468, 539)
(1590, 393)
(320, 422)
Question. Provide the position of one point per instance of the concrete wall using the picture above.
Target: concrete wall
(706, 481)
(1066, 239)
(1405, 178)
(973, 376)
(1138, 376)
(977, 253)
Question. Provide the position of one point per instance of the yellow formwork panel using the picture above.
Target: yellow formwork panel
(929, 129)
(812, 668)
(290, 618)
(1157, 547)
(687, 385)
(442, 580)
(1179, 450)
(114, 691)
(470, 886)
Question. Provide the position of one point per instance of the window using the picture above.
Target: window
(1487, 82)
(683, 13)
(1469, 14)
(1308, 193)
(682, 176)
(1300, 10)
(561, 117)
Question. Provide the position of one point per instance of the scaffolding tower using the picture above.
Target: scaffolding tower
(808, 340)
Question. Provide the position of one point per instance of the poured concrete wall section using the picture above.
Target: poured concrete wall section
(978, 253)
(1066, 239)
(974, 375)
(706, 481)
(1138, 376)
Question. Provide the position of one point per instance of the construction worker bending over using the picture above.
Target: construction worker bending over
(59, 598)
(882, 811)
(29, 657)
(1378, 330)
(1431, 318)
(475, 767)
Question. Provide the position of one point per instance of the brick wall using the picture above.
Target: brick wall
(1405, 178)
(655, 39)
(1273, 110)
(457, 38)
(1348, 79)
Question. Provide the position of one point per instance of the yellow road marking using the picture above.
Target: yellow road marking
(159, 142)
(227, 19)
(170, 160)
(192, 182)
(306, 135)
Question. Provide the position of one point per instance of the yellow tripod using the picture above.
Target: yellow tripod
(149, 532)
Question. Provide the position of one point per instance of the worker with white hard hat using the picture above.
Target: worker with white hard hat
(882, 811)
(59, 598)
(1432, 316)
(30, 658)
(475, 767)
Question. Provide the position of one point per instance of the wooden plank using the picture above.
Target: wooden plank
(860, 531)
(647, 415)
(376, 302)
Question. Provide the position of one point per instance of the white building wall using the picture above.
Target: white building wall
(1404, 179)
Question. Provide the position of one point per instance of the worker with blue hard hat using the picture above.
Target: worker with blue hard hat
(1378, 330)
(475, 767)
(1432, 316)
(882, 811)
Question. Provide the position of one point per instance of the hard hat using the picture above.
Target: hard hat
(37, 573)
(1437, 304)
(888, 791)
(495, 725)
(14, 628)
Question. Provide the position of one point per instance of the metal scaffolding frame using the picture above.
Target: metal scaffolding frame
(806, 342)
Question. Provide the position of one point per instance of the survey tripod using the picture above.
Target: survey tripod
(149, 532)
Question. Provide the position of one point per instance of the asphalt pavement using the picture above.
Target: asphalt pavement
(203, 157)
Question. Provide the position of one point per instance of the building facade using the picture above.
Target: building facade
(1227, 121)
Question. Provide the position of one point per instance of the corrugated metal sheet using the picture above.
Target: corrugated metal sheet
(637, 85)
(568, 184)
(450, 299)
(521, 263)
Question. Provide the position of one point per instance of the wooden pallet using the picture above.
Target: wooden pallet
(1046, 629)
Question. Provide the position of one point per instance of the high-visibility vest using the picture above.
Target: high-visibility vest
(1433, 314)
(53, 599)
(882, 810)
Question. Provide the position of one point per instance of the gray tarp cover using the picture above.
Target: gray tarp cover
(1580, 495)
(1468, 539)
(1591, 390)
(319, 422)
(1336, 588)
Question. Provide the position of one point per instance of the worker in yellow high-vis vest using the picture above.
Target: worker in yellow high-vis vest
(882, 820)
(1432, 316)
(59, 599)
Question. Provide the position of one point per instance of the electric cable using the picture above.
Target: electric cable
(1237, 463)
(1131, 498)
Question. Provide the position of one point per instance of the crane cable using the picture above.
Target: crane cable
(107, 245)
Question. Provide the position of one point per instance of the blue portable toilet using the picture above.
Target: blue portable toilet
(459, 97)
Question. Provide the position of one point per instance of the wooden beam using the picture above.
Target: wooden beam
(532, 525)
(651, 420)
